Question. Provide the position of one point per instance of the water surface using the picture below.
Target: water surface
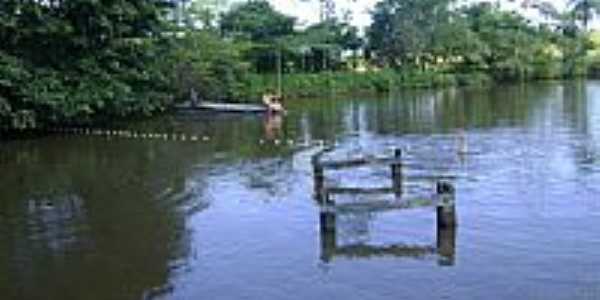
(232, 215)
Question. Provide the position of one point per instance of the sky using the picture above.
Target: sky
(307, 11)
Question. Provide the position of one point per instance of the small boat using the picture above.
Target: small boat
(271, 104)
(222, 107)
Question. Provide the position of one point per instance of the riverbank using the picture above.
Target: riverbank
(385, 81)
(325, 84)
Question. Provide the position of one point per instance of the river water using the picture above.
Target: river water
(230, 213)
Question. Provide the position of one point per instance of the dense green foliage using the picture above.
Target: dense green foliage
(256, 21)
(64, 61)
(326, 84)
(82, 61)
(215, 72)
(481, 37)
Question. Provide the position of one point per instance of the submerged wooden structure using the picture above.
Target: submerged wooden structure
(443, 199)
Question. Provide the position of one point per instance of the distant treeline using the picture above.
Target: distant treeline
(85, 61)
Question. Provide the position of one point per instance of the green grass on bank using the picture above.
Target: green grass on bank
(384, 81)
(316, 85)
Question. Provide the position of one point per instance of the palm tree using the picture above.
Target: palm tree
(585, 10)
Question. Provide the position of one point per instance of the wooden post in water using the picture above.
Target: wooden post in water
(446, 245)
(446, 212)
(328, 235)
(319, 180)
(397, 172)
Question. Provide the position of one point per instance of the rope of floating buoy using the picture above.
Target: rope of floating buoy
(131, 134)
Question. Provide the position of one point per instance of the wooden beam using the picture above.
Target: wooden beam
(359, 191)
(380, 205)
(353, 163)
(378, 251)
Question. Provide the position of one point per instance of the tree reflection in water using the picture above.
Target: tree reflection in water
(86, 219)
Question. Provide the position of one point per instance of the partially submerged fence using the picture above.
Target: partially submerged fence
(443, 198)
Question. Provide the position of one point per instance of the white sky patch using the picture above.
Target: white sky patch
(307, 11)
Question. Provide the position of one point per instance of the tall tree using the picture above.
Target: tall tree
(403, 30)
(256, 20)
